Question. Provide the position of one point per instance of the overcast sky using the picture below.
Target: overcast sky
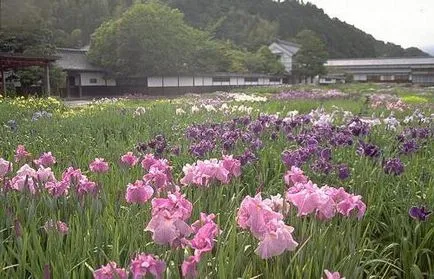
(403, 22)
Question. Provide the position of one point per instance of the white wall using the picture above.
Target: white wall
(185, 81)
(234, 81)
(207, 81)
(170, 82)
(155, 81)
(100, 81)
(198, 81)
(360, 77)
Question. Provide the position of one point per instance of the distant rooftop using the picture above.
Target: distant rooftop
(286, 46)
(396, 61)
(75, 60)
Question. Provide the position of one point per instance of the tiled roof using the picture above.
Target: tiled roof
(74, 59)
(403, 61)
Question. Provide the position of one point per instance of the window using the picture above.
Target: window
(274, 79)
(93, 80)
(221, 79)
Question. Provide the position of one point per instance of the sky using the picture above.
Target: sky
(404, 22)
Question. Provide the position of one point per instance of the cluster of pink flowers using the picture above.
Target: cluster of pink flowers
(28, 179)
(99, 165)
(59, 226)
(33, 181)
(388, 101)
(324, 202)
(169, 226)
(157, 179)
(159, 172)
(141, 266)
(205, 230)
(267, 225)
(203, 173)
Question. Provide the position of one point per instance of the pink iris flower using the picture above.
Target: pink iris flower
(294, 176)
(206, 231)
(46, 160)
(110, 271)
(99, 165)
(45, 175)
(276, 240)
(5, 167)
(129, 159)
(148, 161)
(139, 192)
(57, 188)
(267, 226)
(189, 267)
(21, 183)
(21, 153)
(145, 264)
(334, 275)
(232, 165)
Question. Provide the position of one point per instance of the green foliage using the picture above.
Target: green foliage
(246, 30)
(153, 39)
(148, 39)
(310, 59)
(342, 40)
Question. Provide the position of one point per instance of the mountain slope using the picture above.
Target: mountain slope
(342, 40)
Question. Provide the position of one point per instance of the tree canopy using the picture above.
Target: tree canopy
(154, 39)
(310, 59)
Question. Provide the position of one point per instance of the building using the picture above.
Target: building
(85, 79)
(331, 79)
(417, 70)
(10, 62)
(285, 50)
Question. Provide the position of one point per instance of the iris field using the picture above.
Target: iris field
(285, 182)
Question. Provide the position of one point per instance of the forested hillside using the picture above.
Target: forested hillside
(247, 23)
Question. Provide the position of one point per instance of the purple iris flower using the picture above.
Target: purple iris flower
(409, 147)
(394, 166)
(369, 150)
(419, 213)
(343, 171)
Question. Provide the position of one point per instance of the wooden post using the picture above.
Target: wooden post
(80, 90)
(3, 81)
(68, 89)
(47, 79)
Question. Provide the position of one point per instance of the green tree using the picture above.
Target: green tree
(148, 39)
(310, 59)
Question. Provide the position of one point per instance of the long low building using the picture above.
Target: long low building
(85, 79)
(417, 70)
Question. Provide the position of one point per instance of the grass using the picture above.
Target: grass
(386, 243)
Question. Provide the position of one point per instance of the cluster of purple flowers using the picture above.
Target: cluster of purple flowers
(158, 145)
